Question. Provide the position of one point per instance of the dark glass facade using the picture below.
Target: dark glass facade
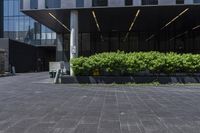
(179, 1)
(149, 2)
(52, 3)
(196, 1)
(18, 26)
(99, 2)
(34, 4)
(128, 2)
(1, 19)
(79, 3)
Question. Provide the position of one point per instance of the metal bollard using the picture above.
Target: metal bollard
(56, 79)
(13, 70)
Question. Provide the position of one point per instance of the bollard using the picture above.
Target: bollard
(13, 70)
(56, 79)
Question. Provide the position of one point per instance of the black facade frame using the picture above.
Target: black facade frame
(1, 18)
(99, 3)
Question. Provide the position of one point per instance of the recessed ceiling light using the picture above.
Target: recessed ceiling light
(175, 18)
(54, 17)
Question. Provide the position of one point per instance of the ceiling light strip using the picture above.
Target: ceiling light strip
(196, 27)
(152, 36)
(132, 24)
(95, 18)
(179, 35)
(54, 17)
(175, 18)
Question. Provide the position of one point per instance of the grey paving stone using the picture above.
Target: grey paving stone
(21, 126)
(29, 106)
(86, 128)
(107, 124)
(41, 128)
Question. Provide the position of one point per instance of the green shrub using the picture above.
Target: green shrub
(120, 63)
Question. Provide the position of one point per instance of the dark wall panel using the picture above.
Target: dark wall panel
(1, 18)
(22, 56)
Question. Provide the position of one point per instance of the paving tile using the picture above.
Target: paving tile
(86, 128)
(106, 124)
(41, 128)
(27, 106)
(67, 123)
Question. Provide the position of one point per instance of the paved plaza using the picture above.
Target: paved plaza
(31, 104)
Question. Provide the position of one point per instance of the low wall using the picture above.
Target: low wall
(161, 78)
(2, 61)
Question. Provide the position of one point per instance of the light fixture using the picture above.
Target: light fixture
(196, 27)
(175, 18)
(179, 35)
(97, 24)
(54, 17)
(149, 38)
(132, 24)
(95, 18)
(136, 15)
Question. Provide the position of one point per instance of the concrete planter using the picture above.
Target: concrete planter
(138, 78)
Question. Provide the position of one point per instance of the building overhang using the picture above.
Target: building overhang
(150, 18)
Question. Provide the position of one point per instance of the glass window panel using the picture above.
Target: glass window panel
(179, 1)
(53, 3)
(34, 4)
(21, 23)
(6, 7)
(149, 2)
(128, 2)
(43, 36)
(6, 25)
(196, 1)
(79, 3)
(38, 36)
(10, 8)
(21, 4)
(48, 35)
(11, 24)
(53, 35)
(99, 2)
(15, 7)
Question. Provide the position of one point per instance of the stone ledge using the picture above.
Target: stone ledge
(161, 78)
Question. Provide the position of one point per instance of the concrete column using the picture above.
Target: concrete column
(59, 48)
(73, 36)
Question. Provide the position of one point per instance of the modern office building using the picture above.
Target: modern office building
(56, 28)
(86, 27)
(24, 32)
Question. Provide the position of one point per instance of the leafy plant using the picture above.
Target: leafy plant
(120, 63)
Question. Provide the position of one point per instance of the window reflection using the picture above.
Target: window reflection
(179, 1)
(149, 2)
(52, 3)
(79, 3)
(196, 1)
(128, 2)
(99, 2)
(34, 4)
(20, 27)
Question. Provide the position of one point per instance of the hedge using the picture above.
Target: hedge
(120, 63)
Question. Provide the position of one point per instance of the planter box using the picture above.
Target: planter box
(2, 61)
(139, 78)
